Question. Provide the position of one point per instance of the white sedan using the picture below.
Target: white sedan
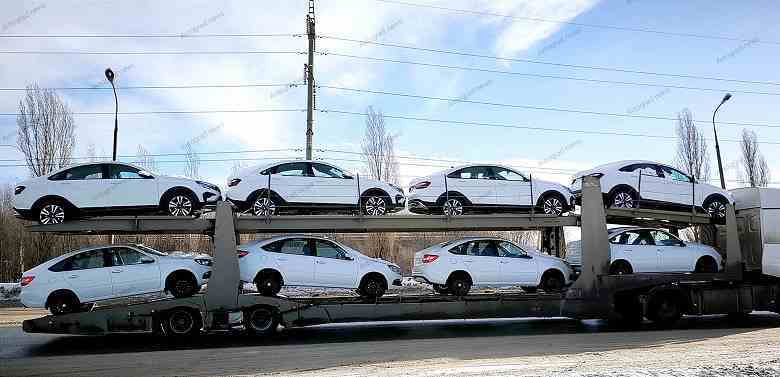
(634, 249)
(455, 266)
(627, 184)
(109, 188)
(297, 260)
(486, 188)
(309, 186)
(92, 274)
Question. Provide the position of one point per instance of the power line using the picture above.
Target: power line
(137, 87)
(172, 154)
(529, 61)
(510, 126)
(503, 72)
(173, 112)
(541, 108)
(581, 24)
(139, 36)
(227, 52)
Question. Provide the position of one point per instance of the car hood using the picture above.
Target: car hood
(366, 258)
(188, 255)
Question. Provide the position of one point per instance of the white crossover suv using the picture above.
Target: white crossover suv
(455, 266)
(97, 273)
(628, 184)
(310, 186)
(634, 249)
(486, 188)
(297, 260)
(109, 188)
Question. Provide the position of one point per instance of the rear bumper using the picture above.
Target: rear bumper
(421, 207)
(26, 214)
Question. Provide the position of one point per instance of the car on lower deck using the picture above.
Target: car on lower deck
(486, 189)
(454, 267)
(96, 273)
(109, 188)
(299, 260)
(633, 183)
(301, 186)
(639, 250)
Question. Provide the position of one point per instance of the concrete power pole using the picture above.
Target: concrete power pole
(310, 104)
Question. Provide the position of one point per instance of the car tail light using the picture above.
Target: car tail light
(421, 185)
(26, 280)
(18, 190)
(234, 182)
(430, 258)
(242, 253)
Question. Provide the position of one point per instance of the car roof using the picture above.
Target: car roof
(285, 236)
(614, 231)
(260, 167)
(97, 163)
(623, 163)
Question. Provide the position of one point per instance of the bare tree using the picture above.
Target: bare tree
(379, 149)
(144, 159)
(45, 130)
(754, 165)
(192, 161)
(692, 155)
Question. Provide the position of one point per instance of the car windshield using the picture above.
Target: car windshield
(151, 251)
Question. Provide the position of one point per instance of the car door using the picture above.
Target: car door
(84, 186)
(332, 186)
(673, 254)
(295, 259)
(333, 266)
(637, 247)
(652, 185)
(679, 187)
(474, 182)
(512, 188)
(481, 262)
(293, 183)
(516, 265)
(130, 188)
(88, 275)
(133, 272)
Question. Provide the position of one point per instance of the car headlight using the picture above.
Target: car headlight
(204, 261)
(394, 268)
(207, 185)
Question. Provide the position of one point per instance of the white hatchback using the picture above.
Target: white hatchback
(297, 260)
(455, 266)
(109, 188)
(634, 249)
(91, 274)
(486, 188)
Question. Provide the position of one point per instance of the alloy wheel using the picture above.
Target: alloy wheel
(553, 206)
(717, 209)
(453, 207)
(263, 207)
(375, 206)
(623, 200)
(52, 214)
(180, 205)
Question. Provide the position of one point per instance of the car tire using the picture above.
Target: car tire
(52, 211)
(453, 206)
(63, 303)
(264, 205)
(261, 320)
(441, 289)
(623, 198)
(553, 204)
(620, 267)
(716, 207)
(372, 287)
(706, 265)
(182, 285)
(552, 281)
(269, 284)
(459, 285)
(374, 205)
(181, 322)
(180, 204)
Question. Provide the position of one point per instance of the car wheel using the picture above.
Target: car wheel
(180, 204)
(52, 212)
(372, 287)
(441, 289)
(716, 208)
(459, 285)
(269, 284)
(263, 206)
(620, 268)
(623, 198)
(374, 205)
(182, 322)
(261, 320)
(553, 205)
(452, 207)
(182, 285)
(552, 281)
(64, 303)
(706, 265)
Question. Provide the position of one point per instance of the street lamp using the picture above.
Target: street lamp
(717, 146)
(110, 77)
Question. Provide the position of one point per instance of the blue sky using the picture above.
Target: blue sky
(554, 155)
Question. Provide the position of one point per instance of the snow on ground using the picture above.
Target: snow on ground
(10, 291)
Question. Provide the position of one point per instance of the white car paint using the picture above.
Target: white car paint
(484, 188)
(303, 184)
(108, 188)
(503, 263)
(666, 252)
(312, 261)
(657, 184)
(114, 271)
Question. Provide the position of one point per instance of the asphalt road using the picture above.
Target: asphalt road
(339, 345)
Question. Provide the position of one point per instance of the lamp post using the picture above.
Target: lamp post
(717, 145)
(110, 77)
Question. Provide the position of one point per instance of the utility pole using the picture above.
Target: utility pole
(309, 74)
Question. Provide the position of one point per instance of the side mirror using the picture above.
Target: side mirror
(145, 174)
(146, 260)
(348, 177)
(347, 257)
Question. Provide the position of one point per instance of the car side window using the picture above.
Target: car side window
(327, 171)
(508, 249)
(86, 260)
(675, 175)
(472, 172)
(662, 238)
(83, 172)
(127, 256)
(273, 247)
(293, 169)
(296, 246)
(326, 249)
(509, 175)
(649, 170)
(116, 171)
(483, 248)
(643, 238)
(461, 249)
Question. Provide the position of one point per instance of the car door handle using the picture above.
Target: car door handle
(72, 276)
(320, 262)
(503, 262)
(116, 271)
(281, 259)
(468, 261)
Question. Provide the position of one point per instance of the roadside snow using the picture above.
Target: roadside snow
(10, 291)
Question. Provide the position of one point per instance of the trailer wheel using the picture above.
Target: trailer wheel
(459, 284)
(182, 322)
(261, 320)
(664, 309)
(629, 310)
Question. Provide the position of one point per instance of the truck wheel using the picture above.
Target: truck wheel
(372, 287)
(261, 320)
(181, 322)
(629, 310)
(459, 285)
(664, 309)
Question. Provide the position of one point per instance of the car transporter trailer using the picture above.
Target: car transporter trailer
(661, 297)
